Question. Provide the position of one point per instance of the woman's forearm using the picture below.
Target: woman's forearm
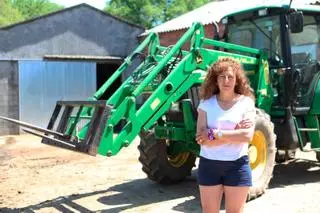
(237, 135)
(214, 142)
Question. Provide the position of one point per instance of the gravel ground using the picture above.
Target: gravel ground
(40, 178)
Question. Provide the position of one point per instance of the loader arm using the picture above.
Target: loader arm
(191, 70)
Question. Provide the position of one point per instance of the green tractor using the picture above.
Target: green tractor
(277, 46)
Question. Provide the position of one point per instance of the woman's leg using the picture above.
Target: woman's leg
(211, 198)
(235, 198)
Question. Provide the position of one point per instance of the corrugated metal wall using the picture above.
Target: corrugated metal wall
(41, 84)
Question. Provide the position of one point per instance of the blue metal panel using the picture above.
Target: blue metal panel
(41, 84)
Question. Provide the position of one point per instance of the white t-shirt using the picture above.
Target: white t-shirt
(218, 118)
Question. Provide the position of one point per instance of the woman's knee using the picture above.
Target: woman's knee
(211, 198)
(235, 198)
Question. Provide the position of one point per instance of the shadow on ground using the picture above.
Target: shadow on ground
(143, 192)
(127, 196)
(296, 171)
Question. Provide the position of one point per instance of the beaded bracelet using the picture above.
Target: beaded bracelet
(211, 134)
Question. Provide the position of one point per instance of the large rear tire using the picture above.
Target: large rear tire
(158, 165)
(262, 150)
(285, 155)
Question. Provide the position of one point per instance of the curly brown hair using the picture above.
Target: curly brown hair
(210, 85)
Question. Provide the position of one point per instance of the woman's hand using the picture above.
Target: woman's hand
(202, 131)
(244, 124)
(202, 139)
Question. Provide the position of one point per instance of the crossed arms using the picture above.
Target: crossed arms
(243, 131)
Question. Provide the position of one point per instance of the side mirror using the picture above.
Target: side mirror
(216, 31)
(296, 22)
(219, 31)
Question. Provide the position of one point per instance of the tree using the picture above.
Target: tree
(12, 11)
(179, 7)
(149, 13)
(33, 8)
(8, 14)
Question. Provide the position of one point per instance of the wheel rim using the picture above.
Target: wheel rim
(179, 159)
(258, 154)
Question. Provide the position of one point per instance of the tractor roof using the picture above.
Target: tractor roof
(301, 7)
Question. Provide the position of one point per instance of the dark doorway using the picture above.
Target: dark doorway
(104, 72)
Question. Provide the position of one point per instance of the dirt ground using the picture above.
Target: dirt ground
(40, 178)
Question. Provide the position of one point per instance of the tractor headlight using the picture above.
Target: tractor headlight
(224, 21)
(263, 12)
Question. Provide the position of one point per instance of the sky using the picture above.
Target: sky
(100, 4)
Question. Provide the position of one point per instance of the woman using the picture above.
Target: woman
(225, 126)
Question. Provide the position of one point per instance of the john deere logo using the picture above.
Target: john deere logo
(245, 60)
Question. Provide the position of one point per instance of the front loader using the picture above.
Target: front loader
(159, 99)
(158, 102)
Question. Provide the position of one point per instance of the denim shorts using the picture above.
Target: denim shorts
(227, 173)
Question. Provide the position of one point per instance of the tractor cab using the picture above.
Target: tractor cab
(290, 36)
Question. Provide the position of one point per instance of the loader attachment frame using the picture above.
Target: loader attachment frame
(63, 132)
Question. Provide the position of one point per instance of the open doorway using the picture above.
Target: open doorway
(104, 72)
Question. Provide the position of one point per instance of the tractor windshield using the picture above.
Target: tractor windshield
(305, 45)
(261, 33)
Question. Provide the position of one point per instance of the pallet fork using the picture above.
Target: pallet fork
(65, 133)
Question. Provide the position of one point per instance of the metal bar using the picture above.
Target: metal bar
(62, 127)
(165, 60)
(82, 117)
(123, 66)
(49, 138)
(187, 84)
(308, 130)
(230, 46)
(21, 123)
(311, 150)
(94, 143)
(54, 116)
(93, 124)
(162, 48)
(83, 103)
(75, 121)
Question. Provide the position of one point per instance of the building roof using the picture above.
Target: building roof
(214, 11)
(83, 57)
(68, 9)
(297, 5)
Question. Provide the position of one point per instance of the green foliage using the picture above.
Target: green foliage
(149, 13)
(33, 8)
(8, 14)
(179, 7)
(12, 11)
(143, 12)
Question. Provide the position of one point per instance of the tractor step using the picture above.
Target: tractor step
(308, 129)
(80, 126)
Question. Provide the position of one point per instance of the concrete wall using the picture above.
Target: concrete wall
(81, 30)
(9, 96)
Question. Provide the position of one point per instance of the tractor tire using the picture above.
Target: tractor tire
(281, 156)
(285, 155)
(160, 167)
(262, 150)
